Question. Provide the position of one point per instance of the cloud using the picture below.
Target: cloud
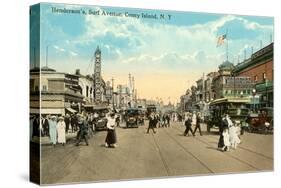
(59, 48)
(151, 49)
(73, 53)
(130, 41)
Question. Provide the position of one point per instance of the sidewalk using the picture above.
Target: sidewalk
(45, 140)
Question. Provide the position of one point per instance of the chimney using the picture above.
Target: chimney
(77, 71)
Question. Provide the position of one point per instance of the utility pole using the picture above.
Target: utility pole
(34, 58)
(112, 80)
(47, 56)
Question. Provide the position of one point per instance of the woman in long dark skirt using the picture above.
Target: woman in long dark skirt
(111, 138)
(222, 127)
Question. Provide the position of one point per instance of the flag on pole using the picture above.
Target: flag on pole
(221, 40)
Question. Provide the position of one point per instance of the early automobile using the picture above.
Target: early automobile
(100, 119)
(132, 117)
(141, 117)
(261, 122)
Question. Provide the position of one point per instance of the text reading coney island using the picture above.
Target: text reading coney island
(99, 12)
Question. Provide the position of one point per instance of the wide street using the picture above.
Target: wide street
(141, 155)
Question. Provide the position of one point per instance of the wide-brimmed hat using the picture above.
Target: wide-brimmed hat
(53, 117)
(61, 118)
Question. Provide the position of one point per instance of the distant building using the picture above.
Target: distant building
(200, 90)
(169, 108)
(123, 97)
(208, 92)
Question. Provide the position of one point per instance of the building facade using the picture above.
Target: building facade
(98, 93)
(259, 68)
(229, 86)
(86, 87)
(60, 92)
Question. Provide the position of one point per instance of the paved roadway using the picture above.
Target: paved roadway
(141, 155)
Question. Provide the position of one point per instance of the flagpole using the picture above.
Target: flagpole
(226, 44)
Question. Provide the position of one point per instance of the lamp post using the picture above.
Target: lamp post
(234, 89)
(241, 94)
(112, 80)
(254, 101)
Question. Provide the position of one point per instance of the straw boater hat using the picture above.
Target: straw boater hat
(61, 118)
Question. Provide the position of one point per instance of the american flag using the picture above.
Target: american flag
(221, 40)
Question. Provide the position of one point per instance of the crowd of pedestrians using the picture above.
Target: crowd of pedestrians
(192, 120)
(83, 125)
(56, 128)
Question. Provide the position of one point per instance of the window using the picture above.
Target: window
(256, 78)
(264, 75)
(31, 85)
(44, 88)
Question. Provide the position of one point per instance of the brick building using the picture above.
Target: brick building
(259, 67)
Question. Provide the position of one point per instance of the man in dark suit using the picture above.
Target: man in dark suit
(187, 123)
(67, 122)
(198, 124)
(152, 123)
(83, 130)
(45, 124)
(168, 120)
(223, 125)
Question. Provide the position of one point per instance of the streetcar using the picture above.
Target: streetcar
(235, 108)
(150, 108)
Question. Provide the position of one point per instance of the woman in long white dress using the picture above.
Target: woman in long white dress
(61, 131)
(234, 135)
(53, 130)
(226, 139)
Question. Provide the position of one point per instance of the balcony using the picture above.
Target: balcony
(266, 85)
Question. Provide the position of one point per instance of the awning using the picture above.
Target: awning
(96, 107)
(52, 111)
(34, 111)
(71, 110)
(230, 100)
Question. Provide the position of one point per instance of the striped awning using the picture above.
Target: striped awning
(71, 110)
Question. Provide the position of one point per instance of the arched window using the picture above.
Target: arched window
(264, 76)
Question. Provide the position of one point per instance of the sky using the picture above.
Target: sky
(165, 56)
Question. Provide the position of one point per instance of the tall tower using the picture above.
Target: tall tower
(97, 74)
